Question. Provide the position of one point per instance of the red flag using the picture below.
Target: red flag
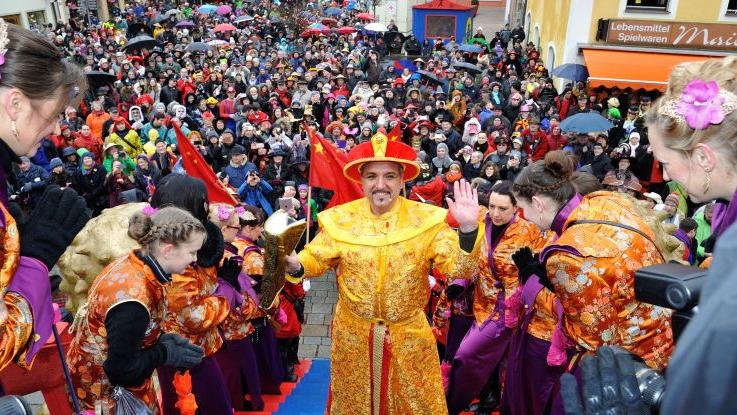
(326, 171)
(196, 166)
(396, 133)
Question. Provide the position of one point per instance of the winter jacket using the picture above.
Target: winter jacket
(256, 195)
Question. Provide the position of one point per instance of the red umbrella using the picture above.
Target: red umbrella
(224, 27)
(329, 21)
(346, 30)
(365, 16)
(309, 33)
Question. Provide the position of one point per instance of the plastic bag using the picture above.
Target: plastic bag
(127, 404)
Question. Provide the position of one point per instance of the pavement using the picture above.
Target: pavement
(490, 18)
(319, 307)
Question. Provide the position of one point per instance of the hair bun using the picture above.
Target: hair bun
(559, 165)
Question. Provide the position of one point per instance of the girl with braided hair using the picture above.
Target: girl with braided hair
(119, 338)
(601, 242)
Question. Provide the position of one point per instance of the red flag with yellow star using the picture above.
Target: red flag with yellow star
(326, 171)
(396, 133)
(196, 166)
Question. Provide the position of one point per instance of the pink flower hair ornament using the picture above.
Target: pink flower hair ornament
(3, 42)
(149, 210)
(700, 105)
(224, 212)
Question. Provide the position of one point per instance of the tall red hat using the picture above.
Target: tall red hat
(381, 149)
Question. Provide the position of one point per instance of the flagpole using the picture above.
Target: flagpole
(309, 213)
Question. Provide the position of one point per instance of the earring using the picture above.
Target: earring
(14, 129)
(707, 182)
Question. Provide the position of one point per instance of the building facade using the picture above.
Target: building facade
(630, 43)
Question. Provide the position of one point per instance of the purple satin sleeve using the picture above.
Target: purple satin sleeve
(246, 283)
(225, 290)
(31, 281)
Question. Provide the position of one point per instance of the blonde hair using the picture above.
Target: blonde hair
(677, 134)
(169, 225)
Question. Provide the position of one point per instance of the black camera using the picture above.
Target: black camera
(673, 286)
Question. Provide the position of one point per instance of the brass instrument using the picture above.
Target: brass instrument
(282, 234)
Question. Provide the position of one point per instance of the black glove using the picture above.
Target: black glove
(180, 352)
(453, 291)
(609, 386)
(230, 270)
(212, 250)
(53, 224)
(709, 242)
(55, 281)
(527, 265)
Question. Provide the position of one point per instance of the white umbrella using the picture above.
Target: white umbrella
(376, 27)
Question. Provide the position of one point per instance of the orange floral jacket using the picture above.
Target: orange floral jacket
(596, 288)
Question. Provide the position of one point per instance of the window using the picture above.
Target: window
(36, 18)
(442, 27)
(732, 8)
(647, 5)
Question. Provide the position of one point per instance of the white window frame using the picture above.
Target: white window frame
(668, 14)
(723, 16)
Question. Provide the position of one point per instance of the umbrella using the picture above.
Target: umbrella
(470, 48)
(310, 32)
(244, 18)
(172, 12)
(140, 42)
(135, 28)
(99, 78)
(480, 41)
(224, 27)
(470, 68)
(400, 64)
(572, 71)
(346, 30)
(365, 16)
(429, 76)
(333, 11)
(217, 42)
(198, 47)
(223, 10)
(376, 27)
(585, 122)
(207, 9)
(318, 26)
(159, 18)
(329, 21)
(185, 23)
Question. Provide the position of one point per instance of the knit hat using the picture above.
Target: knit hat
(88, 154)
(614, 113)
(25, 159)
(55, 162)
(673, 198)
(302, 187)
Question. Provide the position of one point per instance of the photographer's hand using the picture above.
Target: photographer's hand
(609, 386)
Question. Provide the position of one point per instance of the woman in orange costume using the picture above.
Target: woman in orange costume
(270, 367)
(236, 358)
(196, 304)
(590, 267)
(485, 344)
(119, 340)
(28, 113)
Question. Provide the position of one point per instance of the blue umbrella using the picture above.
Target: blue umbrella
(333, 11)
(585, 122)
(318, 26)
(399, 66)
(572, 71)
(207, 9)
(470, 48)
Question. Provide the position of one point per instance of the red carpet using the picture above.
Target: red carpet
(272, 402)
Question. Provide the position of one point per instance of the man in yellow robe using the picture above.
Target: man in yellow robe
(384, 356)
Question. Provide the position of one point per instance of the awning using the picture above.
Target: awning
(633, 69)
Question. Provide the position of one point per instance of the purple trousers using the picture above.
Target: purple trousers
(208, 387)
(458, 326)
(270, 366)
(237, 361)
(530, 383)
(478, 356)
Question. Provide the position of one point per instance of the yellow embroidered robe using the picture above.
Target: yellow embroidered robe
(384, 358)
